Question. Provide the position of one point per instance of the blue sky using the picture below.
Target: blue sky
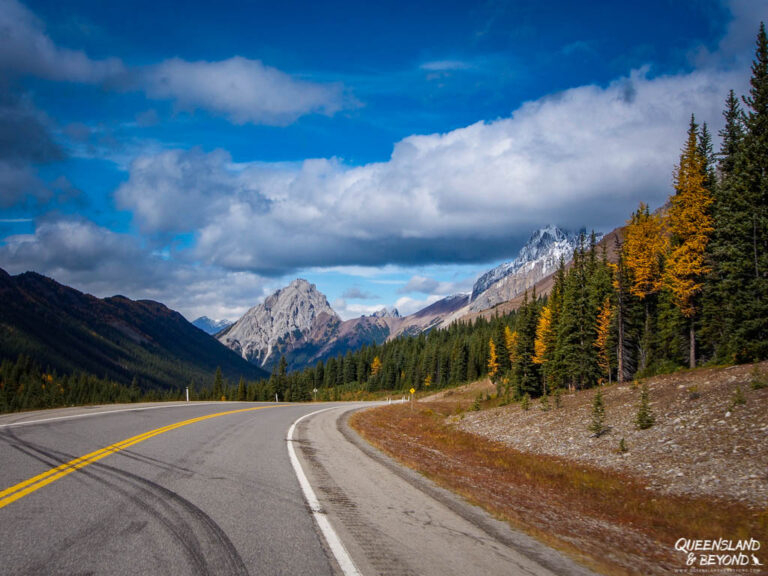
(204, 155)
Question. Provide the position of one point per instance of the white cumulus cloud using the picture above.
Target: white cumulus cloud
(243, 90)
(581, 158)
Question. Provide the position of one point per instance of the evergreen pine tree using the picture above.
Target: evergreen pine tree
(597, 423)
(644, 418)
(750, 229)
(218, 385)
(717, 294)
(525, 370)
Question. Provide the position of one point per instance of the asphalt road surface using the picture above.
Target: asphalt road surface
(210, 489)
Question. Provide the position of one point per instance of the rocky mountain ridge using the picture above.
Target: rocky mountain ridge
(297, 322)
(283, 321)
(539, 257)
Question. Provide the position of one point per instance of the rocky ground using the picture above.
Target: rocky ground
(704, 441)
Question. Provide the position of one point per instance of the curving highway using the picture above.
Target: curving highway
(210, 489)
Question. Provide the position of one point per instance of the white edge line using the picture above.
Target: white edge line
(331, 537)
(87, 414)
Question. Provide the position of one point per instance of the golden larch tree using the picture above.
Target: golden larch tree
(603, 330)
(510, 339)
(645, 245)
(643, 252)
(375, 366)
(690, 224)
(543, 329)
(493, 361)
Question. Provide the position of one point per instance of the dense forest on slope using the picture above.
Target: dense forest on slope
(115, 338)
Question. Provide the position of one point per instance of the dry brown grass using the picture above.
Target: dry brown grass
(603, 518)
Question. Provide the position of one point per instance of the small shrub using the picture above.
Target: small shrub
(476, 403)
(738, 398)
(623, 446)
(544, 403)
(693, 393)
(758, 378)
(525, 403)
(558, 394)
(644, 418)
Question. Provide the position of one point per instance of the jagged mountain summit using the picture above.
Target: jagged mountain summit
(539, 258)
(387, 313)
(298, 323)
(210, 326)
(284, 321)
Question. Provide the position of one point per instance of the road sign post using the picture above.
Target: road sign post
(413, 391)
(187, 393)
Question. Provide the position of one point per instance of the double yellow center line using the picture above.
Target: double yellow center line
(21, 489)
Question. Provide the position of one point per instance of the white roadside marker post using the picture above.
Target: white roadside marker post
(187, 393)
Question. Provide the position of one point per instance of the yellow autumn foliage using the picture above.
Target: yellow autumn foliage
(493, 361)
(510, 339)
(691, 225)
(542, 335)
(603, 331)
(375, 366)
(645, 245)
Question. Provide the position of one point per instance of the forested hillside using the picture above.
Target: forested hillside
(122, 340)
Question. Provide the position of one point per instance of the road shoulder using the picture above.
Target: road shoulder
(393, 520)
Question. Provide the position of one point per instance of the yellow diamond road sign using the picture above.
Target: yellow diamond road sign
(413, 391)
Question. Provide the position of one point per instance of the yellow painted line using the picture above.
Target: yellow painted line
(21, 489)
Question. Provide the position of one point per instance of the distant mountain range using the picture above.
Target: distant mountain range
(210, 326)
(298, 322)
(122, 339)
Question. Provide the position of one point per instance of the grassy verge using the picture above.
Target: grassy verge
(605, 519)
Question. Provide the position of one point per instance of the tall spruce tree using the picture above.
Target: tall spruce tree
(751, 228)
(717, 301)
(576, 330)
(526, 372)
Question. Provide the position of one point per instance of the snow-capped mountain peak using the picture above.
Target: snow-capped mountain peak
(211, 326)
(538, 258)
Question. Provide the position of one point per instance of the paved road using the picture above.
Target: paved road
(214, 497)
(218, 495)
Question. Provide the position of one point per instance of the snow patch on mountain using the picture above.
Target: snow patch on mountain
(210, 326)
(539, 258)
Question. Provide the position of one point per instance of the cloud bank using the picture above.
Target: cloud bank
(581, 158)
